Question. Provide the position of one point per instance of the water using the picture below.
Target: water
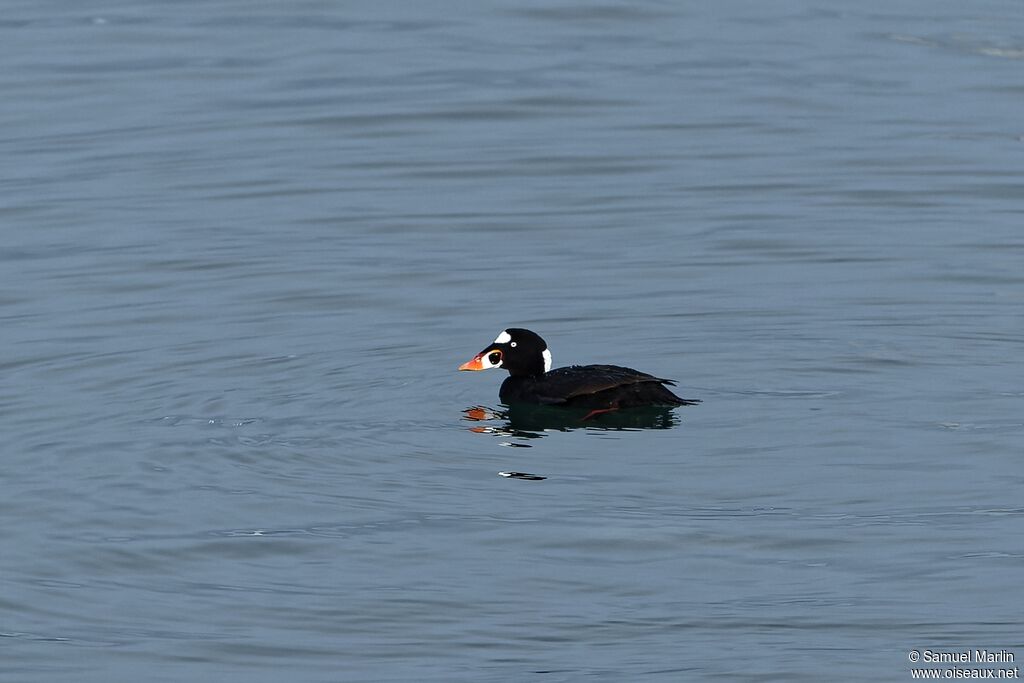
(247, 244)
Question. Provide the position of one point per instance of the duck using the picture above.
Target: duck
(597, 388)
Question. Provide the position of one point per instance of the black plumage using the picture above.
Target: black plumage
(597, 388)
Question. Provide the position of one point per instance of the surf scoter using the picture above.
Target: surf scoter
(599, 388)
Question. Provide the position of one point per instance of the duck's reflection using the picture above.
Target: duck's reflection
(531, 421)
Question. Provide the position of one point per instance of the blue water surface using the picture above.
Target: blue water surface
(247, 244)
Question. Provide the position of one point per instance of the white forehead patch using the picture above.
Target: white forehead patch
(503, 338)
(547, 360)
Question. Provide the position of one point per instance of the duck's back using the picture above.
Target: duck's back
(592, 387)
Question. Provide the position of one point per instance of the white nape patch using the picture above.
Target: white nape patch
(503, 338)
(547, 360)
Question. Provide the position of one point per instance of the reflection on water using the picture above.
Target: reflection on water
(531, 422)
(526, 476)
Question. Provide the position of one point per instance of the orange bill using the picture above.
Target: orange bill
(473, 364)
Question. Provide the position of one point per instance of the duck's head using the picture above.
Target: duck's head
(521, 352)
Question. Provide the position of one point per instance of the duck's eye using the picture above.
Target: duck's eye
(494, 357)
(513, 345)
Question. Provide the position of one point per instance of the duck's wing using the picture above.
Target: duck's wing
(563, 384)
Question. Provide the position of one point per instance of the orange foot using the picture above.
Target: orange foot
(599, 411)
